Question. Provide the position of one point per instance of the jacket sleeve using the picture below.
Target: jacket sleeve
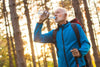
(85, 45)
(43, 38)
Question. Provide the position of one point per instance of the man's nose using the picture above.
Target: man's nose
(55, 14)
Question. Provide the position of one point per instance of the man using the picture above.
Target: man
(67, 44)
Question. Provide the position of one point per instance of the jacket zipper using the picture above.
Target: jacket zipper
(64, 48)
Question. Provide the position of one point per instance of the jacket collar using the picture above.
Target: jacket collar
(64, 25)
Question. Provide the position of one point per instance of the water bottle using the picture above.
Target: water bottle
(50, 15)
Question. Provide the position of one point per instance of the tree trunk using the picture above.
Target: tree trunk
(45, 57)
(8, 43)
(17, 34)
(30, 32)
(52, 47)
(54, 55)
(62, 3)
(11, 39)
(78, 14)
(9, 48)
(95, 51)
(15, 56)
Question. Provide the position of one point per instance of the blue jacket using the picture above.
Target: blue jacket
(70, 42)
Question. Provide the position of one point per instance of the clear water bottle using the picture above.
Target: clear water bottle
(40, 12)
(52, 17)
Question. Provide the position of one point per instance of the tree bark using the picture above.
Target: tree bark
(7, 37)
(12, 44)
(11, 38)
(78, 13)
(95, 51)
(17, 34)
(9, 49)
(14, 53)
(30, 32)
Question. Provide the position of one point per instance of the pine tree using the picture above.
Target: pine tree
(79, 16)
(52, 47)
(30, 32)
(78, 13)
(7, 36)
(11, 39)
(17, 34)
(95, 51)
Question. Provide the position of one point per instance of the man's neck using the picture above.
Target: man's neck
(64, 22)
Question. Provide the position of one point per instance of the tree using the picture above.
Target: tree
(11, 39)
(52, 47)
(17, 34)
(54, 55)
(12, 44)
(30, 32)
(45, 57)
(62, 3)
(95, 51)
(78, 14)
(66, 4)
(7, 36)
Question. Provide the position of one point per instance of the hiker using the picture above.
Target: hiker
(68, 50)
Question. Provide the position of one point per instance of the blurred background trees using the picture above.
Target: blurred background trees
(17, 23)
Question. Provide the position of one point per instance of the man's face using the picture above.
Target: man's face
(60, 16)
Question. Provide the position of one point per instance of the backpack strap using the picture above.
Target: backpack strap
(74, 26)
(54, 37)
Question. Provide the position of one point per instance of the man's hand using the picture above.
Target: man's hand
(75, 52)
(43, 17)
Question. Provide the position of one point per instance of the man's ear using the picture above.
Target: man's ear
(65, 15)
